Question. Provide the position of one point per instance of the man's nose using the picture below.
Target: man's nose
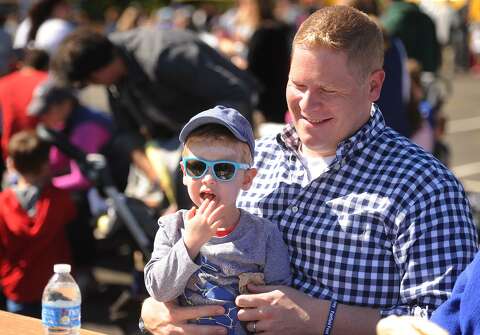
(309, 100)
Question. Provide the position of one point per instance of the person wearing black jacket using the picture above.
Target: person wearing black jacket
(156, 81)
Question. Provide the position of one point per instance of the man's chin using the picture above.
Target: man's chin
(311, 147)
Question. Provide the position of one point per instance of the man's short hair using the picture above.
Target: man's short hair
(220, 134)
(28, 152)
(82, 52)
(348, 30)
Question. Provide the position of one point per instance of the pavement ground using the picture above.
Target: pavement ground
(463, 130)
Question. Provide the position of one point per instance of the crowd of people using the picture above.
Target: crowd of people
(333, 203)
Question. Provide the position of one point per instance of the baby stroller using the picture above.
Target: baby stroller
(96, 169)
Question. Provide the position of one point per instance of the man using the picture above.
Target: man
(156, 80)
(374, 225)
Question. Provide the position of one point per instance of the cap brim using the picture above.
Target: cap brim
(203, 120)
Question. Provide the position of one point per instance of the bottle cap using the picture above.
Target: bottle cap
(62, 268)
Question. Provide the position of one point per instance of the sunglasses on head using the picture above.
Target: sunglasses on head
(222, 170)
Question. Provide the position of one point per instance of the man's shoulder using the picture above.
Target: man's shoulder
(149, 46)
(132, 39)
(17, 79)
(400, 156)
(267, 139)
(267, 144)
(270, 152)
(9, 80)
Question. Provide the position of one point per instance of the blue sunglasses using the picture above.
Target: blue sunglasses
(223, 170)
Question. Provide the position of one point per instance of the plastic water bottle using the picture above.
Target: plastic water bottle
(61, 302)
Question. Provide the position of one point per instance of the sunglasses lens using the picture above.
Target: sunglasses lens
(195, 168)
(224, 171)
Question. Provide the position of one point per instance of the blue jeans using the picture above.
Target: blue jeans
(33, 309)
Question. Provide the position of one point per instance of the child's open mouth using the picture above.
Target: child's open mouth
(207, 195)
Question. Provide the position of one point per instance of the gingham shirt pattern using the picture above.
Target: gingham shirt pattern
(385, 226)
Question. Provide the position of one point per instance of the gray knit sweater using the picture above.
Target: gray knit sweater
(255, 245)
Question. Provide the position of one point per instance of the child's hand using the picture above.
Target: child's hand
(201, 225)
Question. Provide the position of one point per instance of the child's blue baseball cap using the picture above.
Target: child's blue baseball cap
(225, 116)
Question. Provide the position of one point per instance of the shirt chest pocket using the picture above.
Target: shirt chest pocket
(359, 217)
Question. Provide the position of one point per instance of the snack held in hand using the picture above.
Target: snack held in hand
(246, 278)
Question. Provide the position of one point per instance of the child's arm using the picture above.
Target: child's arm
(172, 263)
(170, 267)
(277, 262)
(201, 225)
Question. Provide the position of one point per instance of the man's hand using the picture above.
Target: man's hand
(201, 225)
(284, 310)
(280, 310)
(170, 319)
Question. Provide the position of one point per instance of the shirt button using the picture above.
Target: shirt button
(294, 209)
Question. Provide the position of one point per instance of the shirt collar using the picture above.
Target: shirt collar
(370, 130)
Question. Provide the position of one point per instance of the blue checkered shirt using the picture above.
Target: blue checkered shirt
(385, 226)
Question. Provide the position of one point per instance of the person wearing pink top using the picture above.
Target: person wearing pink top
(58, 108)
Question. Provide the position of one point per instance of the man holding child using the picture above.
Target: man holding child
(374, 225)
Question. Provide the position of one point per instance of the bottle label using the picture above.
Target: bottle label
(57, 316)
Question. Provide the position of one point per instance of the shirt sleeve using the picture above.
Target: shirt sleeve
(277, 263)
(170, 267)
(435, 241)
(90, 138)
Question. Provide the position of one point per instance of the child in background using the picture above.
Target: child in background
(200, 253)
(33, 216)
(57, 107)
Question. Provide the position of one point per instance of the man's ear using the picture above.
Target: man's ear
(375, 82)
(248, 178)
